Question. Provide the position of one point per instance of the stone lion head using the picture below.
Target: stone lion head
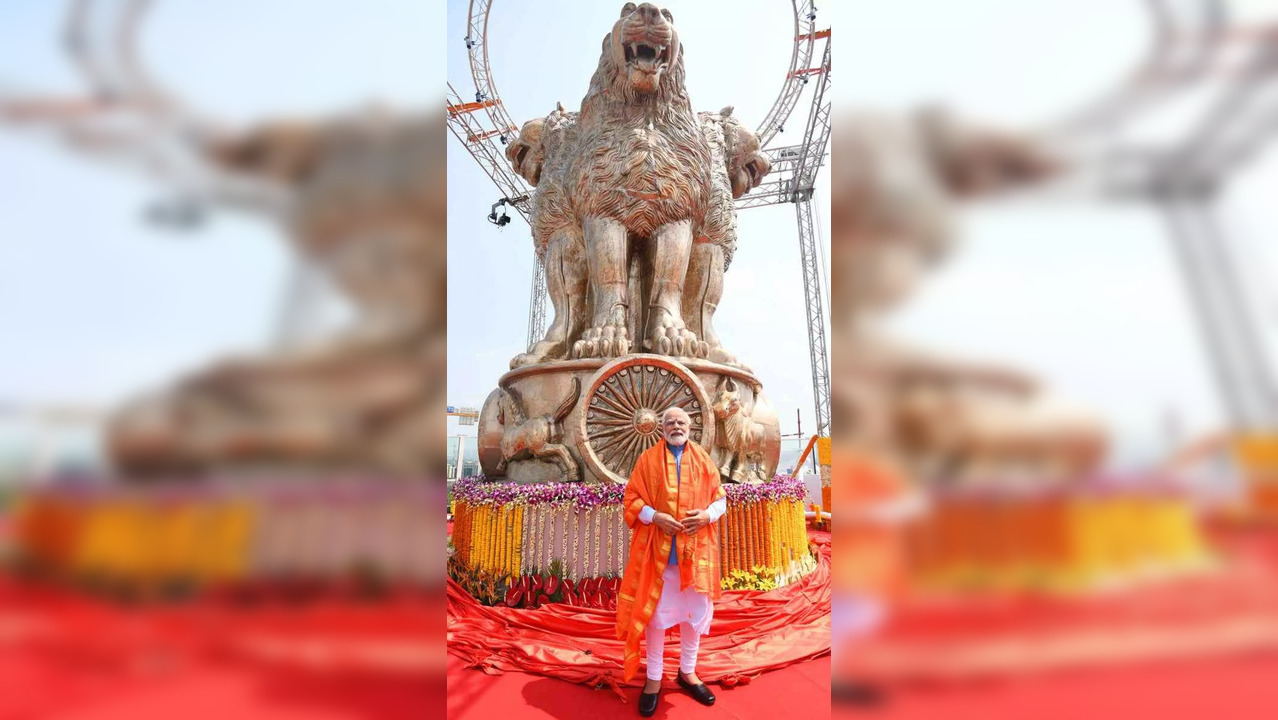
(746, 162)
(642, 54)
(526, 152)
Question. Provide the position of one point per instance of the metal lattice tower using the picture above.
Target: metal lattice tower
(477, 137)
(537, 303)
(1196, 48)
(812, 293)
(792, 179)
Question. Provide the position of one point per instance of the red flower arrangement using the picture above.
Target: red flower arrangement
(533, 591)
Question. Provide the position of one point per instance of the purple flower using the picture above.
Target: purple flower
(476, 490)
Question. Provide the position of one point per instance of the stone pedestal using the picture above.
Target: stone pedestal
(590, 420)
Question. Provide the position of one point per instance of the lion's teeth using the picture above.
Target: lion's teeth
(634, 49)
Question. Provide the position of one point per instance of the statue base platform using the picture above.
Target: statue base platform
(590, 420)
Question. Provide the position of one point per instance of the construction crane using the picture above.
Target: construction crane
(481, 123)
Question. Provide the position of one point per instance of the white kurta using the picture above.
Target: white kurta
(679, 606)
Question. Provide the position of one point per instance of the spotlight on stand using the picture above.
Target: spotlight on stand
(500, 221)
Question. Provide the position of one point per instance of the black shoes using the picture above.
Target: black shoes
(648, 703)
(699, 692)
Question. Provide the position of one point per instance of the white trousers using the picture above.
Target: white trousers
(690, 644)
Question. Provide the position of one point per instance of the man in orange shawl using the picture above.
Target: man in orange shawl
(672, 503)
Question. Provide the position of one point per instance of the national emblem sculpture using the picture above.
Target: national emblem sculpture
(633, 217)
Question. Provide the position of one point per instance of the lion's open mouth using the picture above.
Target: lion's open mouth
(752, 168)
(646, 54)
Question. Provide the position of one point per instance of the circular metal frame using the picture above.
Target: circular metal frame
(804, 45)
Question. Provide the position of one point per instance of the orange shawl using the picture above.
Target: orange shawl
(653, 482)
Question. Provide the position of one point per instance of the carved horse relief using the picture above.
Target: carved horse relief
(538, 438)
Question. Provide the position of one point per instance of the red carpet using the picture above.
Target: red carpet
(1234, 688)
(1230, 610)
(801, 690)
(752, 632)
(65, 657)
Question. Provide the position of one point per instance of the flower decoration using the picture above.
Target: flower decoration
(476, 490)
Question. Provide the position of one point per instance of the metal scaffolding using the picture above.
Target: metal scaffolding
(1184, 178)
(812, 288)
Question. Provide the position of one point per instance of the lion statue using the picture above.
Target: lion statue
(539, 154)
(641, 181)
(737, 166)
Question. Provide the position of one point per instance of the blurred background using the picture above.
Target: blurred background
(1052, 364)
(221, 307)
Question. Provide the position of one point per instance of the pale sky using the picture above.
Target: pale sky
(546, 52)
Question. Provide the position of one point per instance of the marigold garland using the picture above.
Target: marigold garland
(481, 537)
(741, 537)
(612, 538)
(563, 524)
(476, 530)
(732, 537)
(486, 555)
(595, 539)
(490, 540)
(542, 537)
(517, 566)
(477, 546)
(763, 533)
(772, 537)
(753, 533)
(576, 536)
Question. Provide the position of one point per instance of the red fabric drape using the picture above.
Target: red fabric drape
(752, 632)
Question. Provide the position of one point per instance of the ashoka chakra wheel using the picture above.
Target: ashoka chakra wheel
(621, 412)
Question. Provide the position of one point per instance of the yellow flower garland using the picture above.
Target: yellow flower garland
(766, 540)
(143, 542)
(594, 512)
(611, 539)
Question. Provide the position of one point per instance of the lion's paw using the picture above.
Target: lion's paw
(676, 340)
(608, 341)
